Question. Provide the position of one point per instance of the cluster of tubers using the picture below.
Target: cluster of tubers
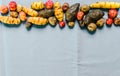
(42, 13)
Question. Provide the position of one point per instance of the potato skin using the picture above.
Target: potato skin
(3, 9)
(92, 27)
(93, 16)
(52, 21)
(46, 13)
(13, 14)
(100, 22)
(117, 21)
(70, 14)
(22, 16)
(85, 8)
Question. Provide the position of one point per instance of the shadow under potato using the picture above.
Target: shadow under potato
(91, 32)
(53, 26)
(71, 27)
(100, 28)
(109, 26)
(11, 25)
(39, 26)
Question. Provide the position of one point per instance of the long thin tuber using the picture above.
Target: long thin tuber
(107, 5)
(30, 11)
(38, 20)
(9, 20)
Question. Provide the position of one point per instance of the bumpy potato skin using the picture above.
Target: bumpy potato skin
(9, 20)
(13, 14)
(38, 20)
(30, 11)
(46, 13)
(37, 5)
(92, 27)
(58, 11)
(70, 14)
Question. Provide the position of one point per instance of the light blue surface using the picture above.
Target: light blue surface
(55, 52)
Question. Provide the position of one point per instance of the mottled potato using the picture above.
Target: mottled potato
(22, 16)
(52, 21)
(85, 8)
(100, 22)
(14, 14)
(65, 7)
(71, 24)
(19, 8)
(92, 27)
(117, 21)
(3, 9)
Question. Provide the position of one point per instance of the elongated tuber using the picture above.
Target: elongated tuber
(37, 5)
(9, 20)
(30, 11)
(107, 5)
(46, 13)
(58, 11)
(38, 20)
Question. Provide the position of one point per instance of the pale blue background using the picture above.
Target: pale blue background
(55, 52)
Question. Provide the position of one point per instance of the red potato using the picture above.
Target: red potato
(4, 9)
(62, 24)
(22, 16)
(112, 13)
(12, 5)
(49, 4)
(109, 21)
(80, 15)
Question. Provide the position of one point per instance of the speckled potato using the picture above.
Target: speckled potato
(52, 21)
(117, 21)
(100, 22)
(22, 16)
(71, 24)
(19, 8)
(3, 9)
(92, 27)
(13, 14)
(85, 8)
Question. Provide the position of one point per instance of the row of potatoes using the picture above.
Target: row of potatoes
(42, 13)
(20, 13)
